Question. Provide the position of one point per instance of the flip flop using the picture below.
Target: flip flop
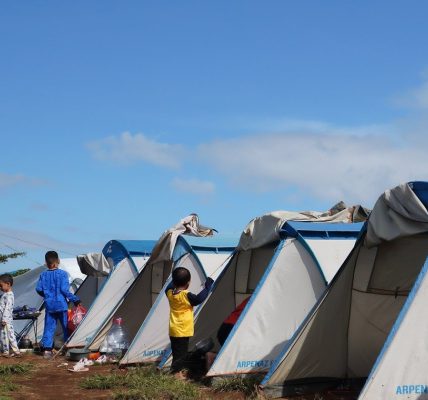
(78, 370)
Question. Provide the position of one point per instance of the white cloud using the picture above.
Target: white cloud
(127, 149)
(39, 206)
(332, 164)
(7, 181)
(193, 186)
(10, 180)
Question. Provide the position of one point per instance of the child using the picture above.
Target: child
(181, 303)
(7, 333)
(54, 287)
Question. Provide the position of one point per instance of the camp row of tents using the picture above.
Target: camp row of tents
(335, 297)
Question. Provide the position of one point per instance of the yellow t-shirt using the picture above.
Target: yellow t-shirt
(180, 314)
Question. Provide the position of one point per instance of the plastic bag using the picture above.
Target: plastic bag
(75, 316)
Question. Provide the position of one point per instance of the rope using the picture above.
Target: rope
(34, 243)
(24, 255)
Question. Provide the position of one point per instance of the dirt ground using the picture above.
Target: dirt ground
(50, 381)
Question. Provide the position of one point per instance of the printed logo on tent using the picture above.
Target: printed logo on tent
(154, 353)
(411, 389)
(261, 364)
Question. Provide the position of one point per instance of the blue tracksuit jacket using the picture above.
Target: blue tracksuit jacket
(54, 287)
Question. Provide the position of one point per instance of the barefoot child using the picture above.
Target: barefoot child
(54, 287)
(181, 303)
(7, 333)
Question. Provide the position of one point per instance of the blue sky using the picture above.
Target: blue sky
(117, 119)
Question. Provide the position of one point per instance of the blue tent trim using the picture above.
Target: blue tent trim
(118, 250)
(322, 230)
(420, 189)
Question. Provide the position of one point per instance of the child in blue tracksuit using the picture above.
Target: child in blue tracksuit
(54, 287)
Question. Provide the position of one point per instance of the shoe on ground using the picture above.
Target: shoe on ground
(47, 355)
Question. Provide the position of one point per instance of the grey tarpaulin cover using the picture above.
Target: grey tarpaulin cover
(397, 213)
(265, 229)
(166, 244)
(93, 264)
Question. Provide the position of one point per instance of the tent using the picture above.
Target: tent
(376, 288)
(144, 312)
(24, 289)
(255, 266)
(294, 273)
(126, 259)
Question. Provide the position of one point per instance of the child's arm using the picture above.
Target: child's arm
(39, 287)
(196, 299)
(170, 286)
(65, 290)
(8, 310)
(2, 306)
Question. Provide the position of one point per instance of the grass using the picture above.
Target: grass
(6, 373)
(12, 369)
(143, 383)
(6, 385)
(247, 385)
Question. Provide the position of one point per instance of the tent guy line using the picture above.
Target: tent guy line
(35, 244)
(20, 251)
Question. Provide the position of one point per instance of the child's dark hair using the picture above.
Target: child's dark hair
(7, 278)
(180, 277)
(51, 257)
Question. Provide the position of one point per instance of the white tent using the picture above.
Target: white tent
(343, 337)
(24, 289)
(145, 312)
(276, 262)
(295, 274)
(126, 259)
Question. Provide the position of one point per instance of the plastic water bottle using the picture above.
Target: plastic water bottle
(116, 341)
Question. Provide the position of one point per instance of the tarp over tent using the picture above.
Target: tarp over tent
(347, 329)
(93, 264)
(145, 312)
(126, 259)
(24, 289)
(257, 265)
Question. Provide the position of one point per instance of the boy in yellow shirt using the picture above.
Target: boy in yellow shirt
(181, 303)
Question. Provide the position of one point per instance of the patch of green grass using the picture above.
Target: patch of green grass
(7, 371)
(6, 385)
(11, 369)
(103, 382)
(143, 384)
(247, 385)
